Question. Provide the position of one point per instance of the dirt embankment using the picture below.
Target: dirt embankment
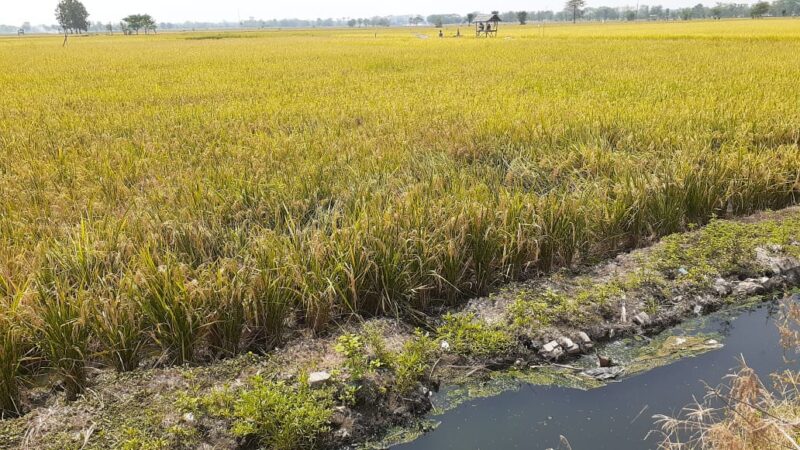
(351, 386)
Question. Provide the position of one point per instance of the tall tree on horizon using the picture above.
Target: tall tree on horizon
(759, 10)
(575, 5)
(72, 17)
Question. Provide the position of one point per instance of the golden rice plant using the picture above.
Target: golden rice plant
(240, 186)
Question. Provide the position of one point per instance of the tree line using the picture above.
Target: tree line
(73, 18)
(577, 9)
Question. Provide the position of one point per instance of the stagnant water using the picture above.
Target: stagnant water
(616, 416)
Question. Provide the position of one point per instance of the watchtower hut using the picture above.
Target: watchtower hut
(486, 24)
(21, 32)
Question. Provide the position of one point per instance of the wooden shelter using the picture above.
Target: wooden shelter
(486, 24)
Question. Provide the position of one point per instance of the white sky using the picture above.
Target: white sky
(15, 12)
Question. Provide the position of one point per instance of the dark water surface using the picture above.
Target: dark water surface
(617, 416)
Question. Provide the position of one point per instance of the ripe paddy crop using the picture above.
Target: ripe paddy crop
(182, 198)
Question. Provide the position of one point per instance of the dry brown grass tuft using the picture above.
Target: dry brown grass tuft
(742, 413)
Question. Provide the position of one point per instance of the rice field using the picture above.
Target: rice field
(184, 197)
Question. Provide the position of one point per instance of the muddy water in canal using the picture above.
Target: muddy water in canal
(617, 415)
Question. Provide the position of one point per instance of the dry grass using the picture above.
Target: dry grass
(744, 413)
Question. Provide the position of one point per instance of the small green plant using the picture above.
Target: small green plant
(282, 417)
(217, 403)
(373, 338)
(348, 394)
(413, 361)
(356, 360)
(137, 440)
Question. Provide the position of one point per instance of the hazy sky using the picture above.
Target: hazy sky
(15, 12)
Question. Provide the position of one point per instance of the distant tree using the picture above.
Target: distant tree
(470, 17)
(606, 13)
(630, 16)
(495, 12)
(351, 23)
(136, 22)
(149, 23)
(699, 11)
(657, 11)
(72, 17)
(575, 6)
(522, 17)
(438, 23)
(110, 28)
(133, 23)
(759, 10)
(686, 13)
(716, 11)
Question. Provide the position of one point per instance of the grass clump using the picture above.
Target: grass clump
(63, 332)
(549, 306)
(282, 417)
(174, 315)
(14, 346)
(11, 356)
(225, 299)
(119, 326)
(267, 413)
(722, 248)
(469, 336)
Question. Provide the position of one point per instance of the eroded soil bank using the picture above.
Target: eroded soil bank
(353, 386)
